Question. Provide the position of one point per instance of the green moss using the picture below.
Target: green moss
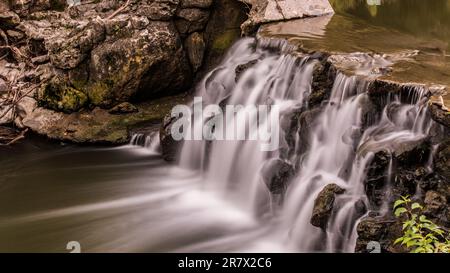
(225, 40)
(72, 99)
(99, 93)
(61, 97)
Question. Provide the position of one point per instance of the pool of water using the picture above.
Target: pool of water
(416, 32)
(124, 199)
(427, 19)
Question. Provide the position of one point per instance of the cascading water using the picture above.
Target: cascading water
(279, 79)
(339, 152)
(149, 141)
(229, 195)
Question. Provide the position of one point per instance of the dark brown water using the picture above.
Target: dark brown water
(124, 199)
(428, 19)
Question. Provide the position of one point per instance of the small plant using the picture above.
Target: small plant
(420, 235)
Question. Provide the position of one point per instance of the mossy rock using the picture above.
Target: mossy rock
(59, 96)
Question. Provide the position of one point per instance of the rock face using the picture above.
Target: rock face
(323, 205)
(265, 11)
(72, 60)
(277, 174)
(195, 46)
(100, 126)
(169, 146)
(420, 169)
(440, 115)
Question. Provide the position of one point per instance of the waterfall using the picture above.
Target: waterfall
(149, 141)
(340, 146)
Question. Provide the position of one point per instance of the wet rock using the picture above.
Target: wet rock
(442, 160)
(277, 174)
(440, 115)
(98, 126)
(323, 205)
(191, 20)
(380, 90)
(306, 124)
(407, 159)
(370, 114)
(377, 177)
(435, 203)
(123, 108)
(195, 46)
(413, 152)
(169, 146)
(222, 30)
(240, 69)
(381, 230)
(372, 229)
(323, 81)
(360, 208)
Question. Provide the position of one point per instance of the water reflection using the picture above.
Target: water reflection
(416, 33)
(428, 19)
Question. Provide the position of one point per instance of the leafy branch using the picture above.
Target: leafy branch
(420, 235)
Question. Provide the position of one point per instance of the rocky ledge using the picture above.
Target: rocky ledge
(66, 71)
(421, 168)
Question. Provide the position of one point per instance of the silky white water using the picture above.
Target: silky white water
(339, 152)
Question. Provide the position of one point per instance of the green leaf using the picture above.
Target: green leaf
(398, 203)
(406, 224)
(416, 206)
(418, 250)
(400, 211)
(412, 242)
(398, 240)
(424, 219)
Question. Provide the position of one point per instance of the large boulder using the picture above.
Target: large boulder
(147, 64)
